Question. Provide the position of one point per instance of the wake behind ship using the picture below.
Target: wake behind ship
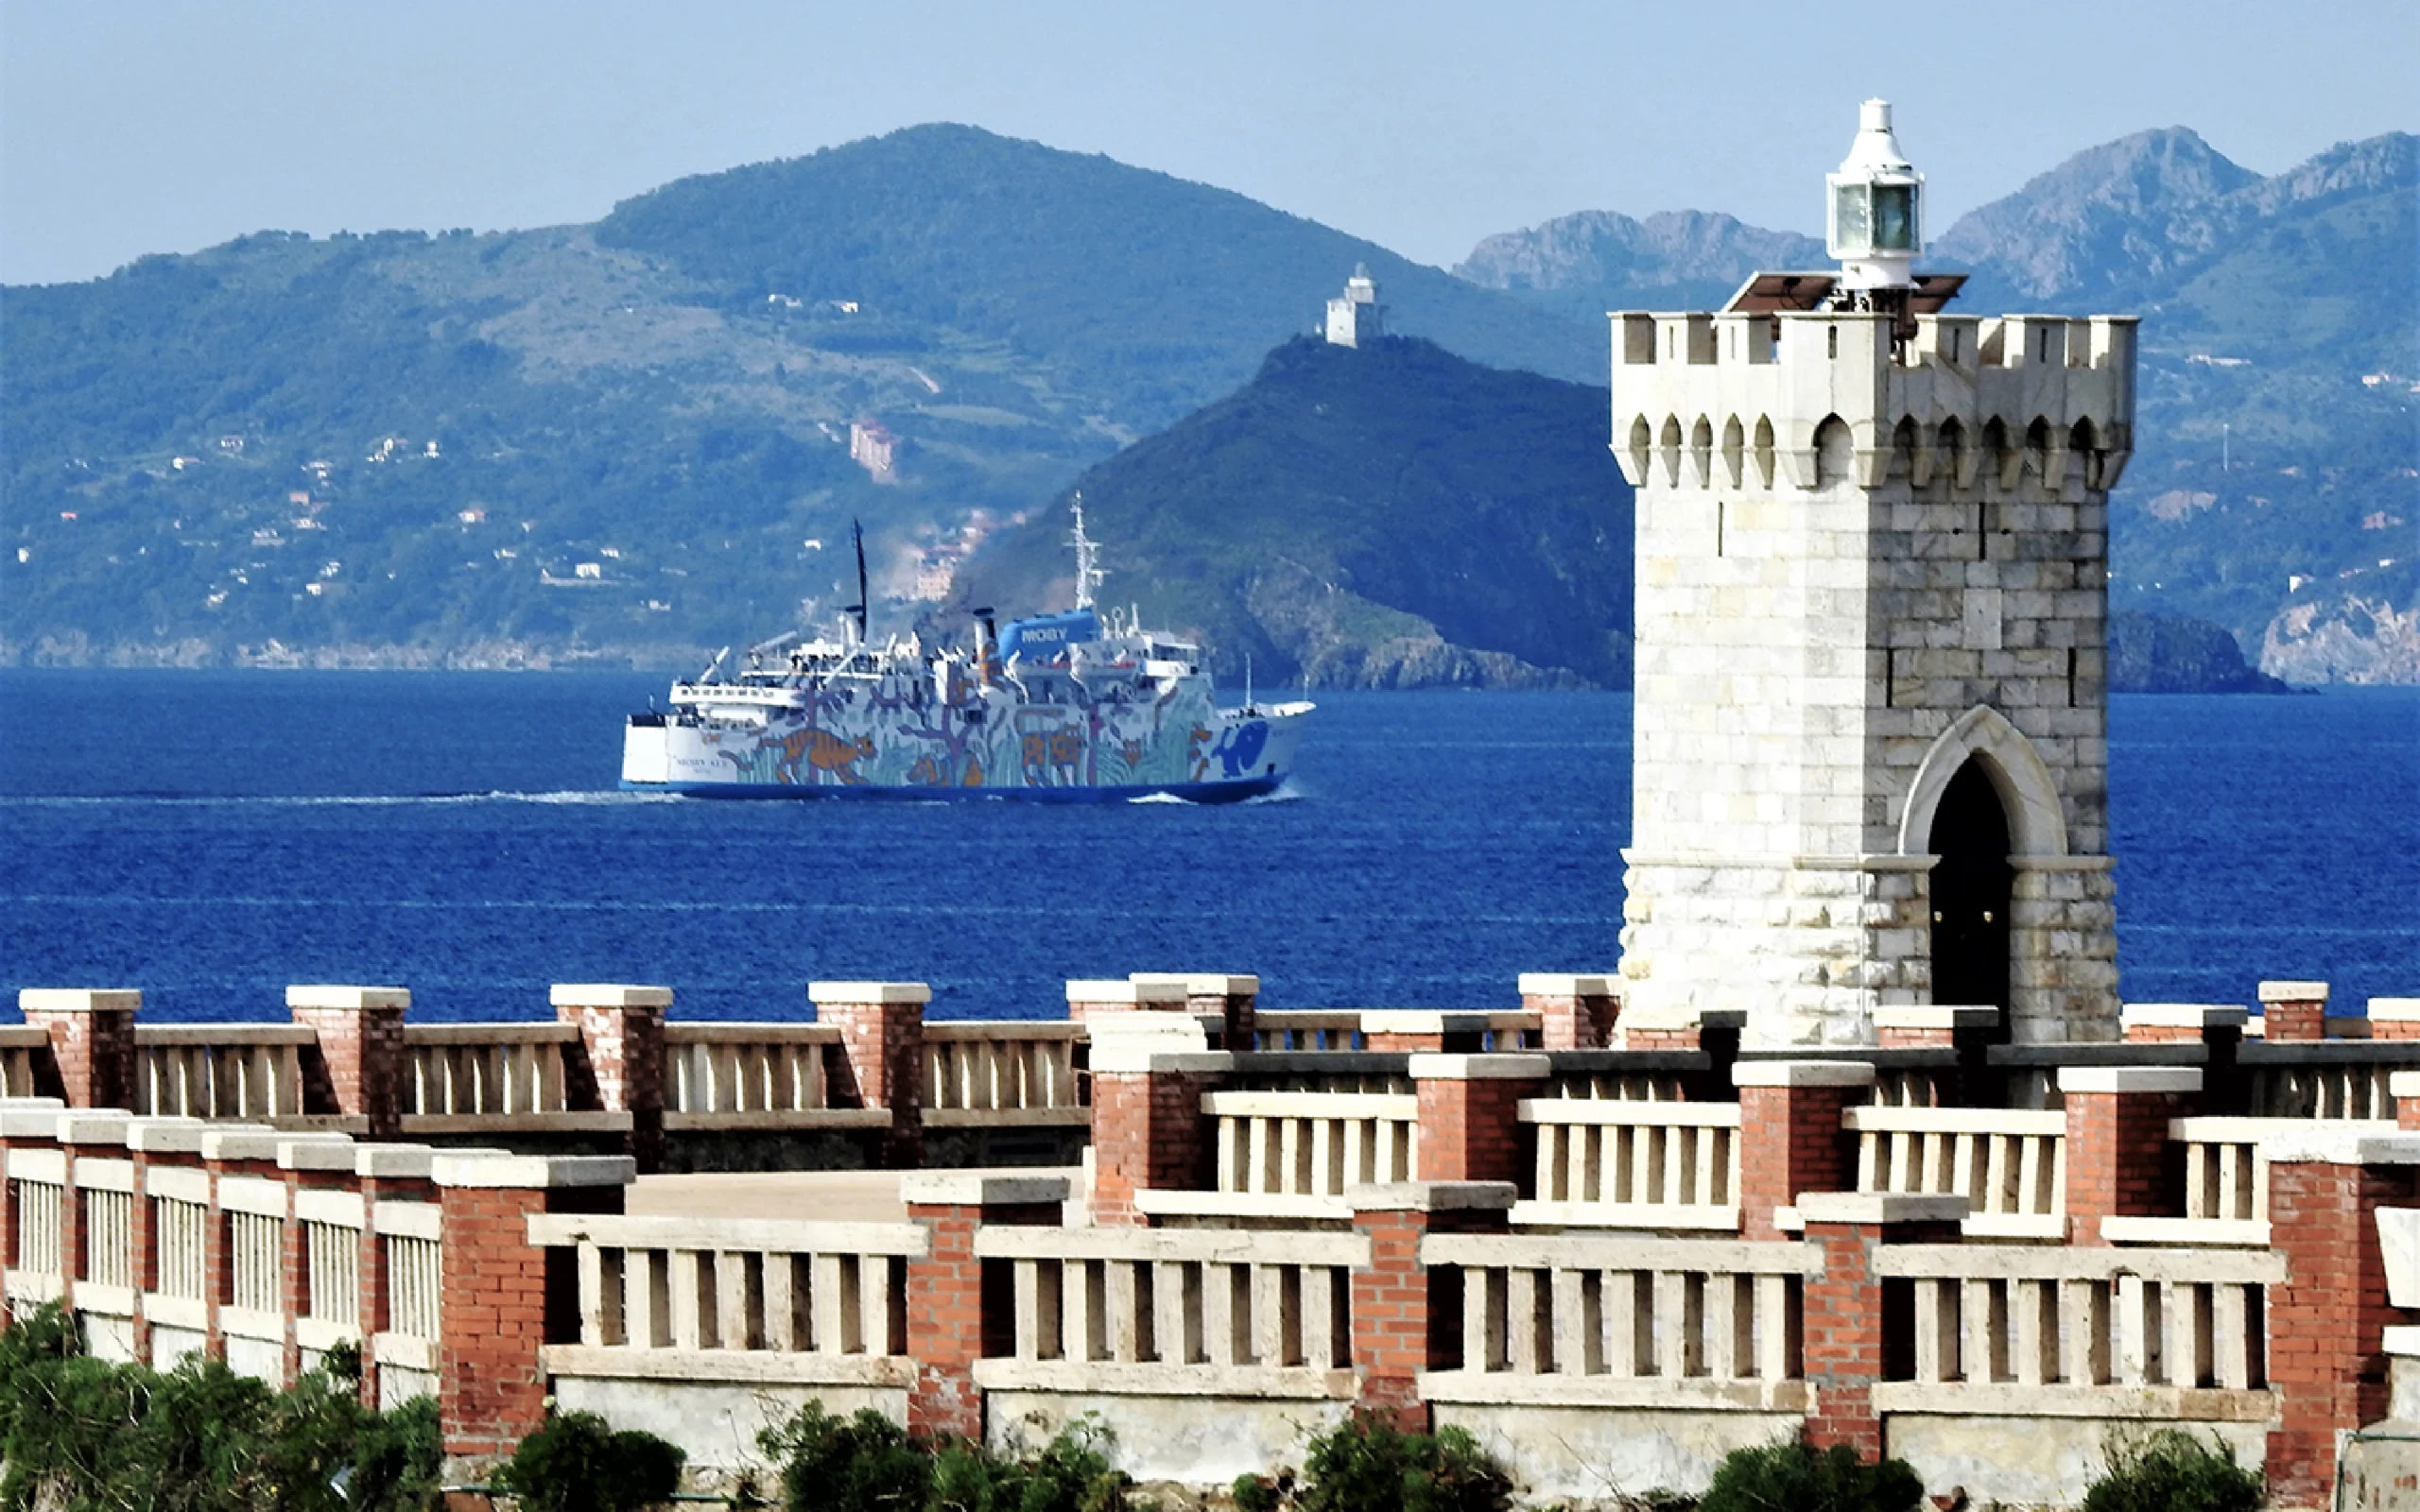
(1075, 707)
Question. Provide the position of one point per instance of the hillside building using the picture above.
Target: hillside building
(1356, 315)
(1871, 719)
(872, 447)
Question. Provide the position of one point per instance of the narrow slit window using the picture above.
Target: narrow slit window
(1832, 340)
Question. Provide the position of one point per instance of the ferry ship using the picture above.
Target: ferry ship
(1082, 705)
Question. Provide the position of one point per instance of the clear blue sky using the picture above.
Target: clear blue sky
(129, 128)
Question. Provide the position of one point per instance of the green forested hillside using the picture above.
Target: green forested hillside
(640, 427)
(1384, 516)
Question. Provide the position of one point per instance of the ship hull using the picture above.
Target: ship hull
(1178, 747)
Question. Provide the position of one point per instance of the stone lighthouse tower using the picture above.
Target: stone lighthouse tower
(1871, 726)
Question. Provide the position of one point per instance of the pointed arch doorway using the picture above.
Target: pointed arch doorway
(1972, 888)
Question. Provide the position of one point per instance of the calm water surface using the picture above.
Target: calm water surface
(211, 836)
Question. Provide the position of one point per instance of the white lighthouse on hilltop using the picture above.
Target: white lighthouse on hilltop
(1870, 720)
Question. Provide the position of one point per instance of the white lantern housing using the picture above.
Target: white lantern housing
(1875, 226)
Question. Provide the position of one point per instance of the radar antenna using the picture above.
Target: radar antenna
(1088, 572)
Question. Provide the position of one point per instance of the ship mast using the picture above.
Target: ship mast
(1088, 572)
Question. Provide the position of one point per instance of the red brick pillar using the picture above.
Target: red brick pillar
(361, 1066)
(1211, 997)
(1148, 1132)
(1842, 1347)
(882, 1054)
(621, 1033)
(2118, 1152)
(948, 1323)
(2328, 1361)
(493, 1284)
(92, 1041)
(1406, 1314)
(1470, 1127)
(1790, 1137)
(1574, 1012)
(2293, 1010)
(2394, 1017)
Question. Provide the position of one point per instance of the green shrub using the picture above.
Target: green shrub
(581, 1463)
(1365, 1464)
(2167, 1469)
(864, 1462)
(867, 1463)
(1791, 1477)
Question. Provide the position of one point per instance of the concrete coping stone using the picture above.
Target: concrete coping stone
(1150, 1059)
(396, 1161)
(2183, 1016)
(607, 995)
(1518, 1065)
(2339, 1144)
(458, 1168)
(1880, 1206)
(1939, 1016)
(2126, 1080)
(334, 995)
(1429, 1020)
(165, 1136)
(79, 999)
(29, 1123)
(1432, 1196)
(2395, 1010)
(317, 1152)
(1802, 1073)
(981, 1189)
(240, 1142)
(33, 1104)
(1203, 984)
(1135, 993)
(865, 992)
(2403, 1083)
(95, 1126)
(1566, 984)
(2293, 991)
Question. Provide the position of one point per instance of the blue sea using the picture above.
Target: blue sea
(209, 837)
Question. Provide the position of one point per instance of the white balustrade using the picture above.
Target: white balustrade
(413, 1278)
(25, 1053)
(1569, 1319)
(256, 1262)
(1627, 1084)
(248, 1073)
(999, 1072)
(107, 1238)
(332, 1274)
(2010, 1164)
(1177, 1311)
(38, 1262)
(745, 1074)
(180, 1231)
(487, 1072)
(1620, 1163)
(1312, 1143)
(2343, 1090)
(2021, 1328)
(731, 1299)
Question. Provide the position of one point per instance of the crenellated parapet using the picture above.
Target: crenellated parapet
(1742, 401)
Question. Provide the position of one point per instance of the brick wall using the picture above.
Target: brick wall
(2119, 1160)
(2326, 1323)
(358, 1069)
(882, 1050)
(92, 1041)
(1469, 1124)
(1791, 1139)
(1148, 1132)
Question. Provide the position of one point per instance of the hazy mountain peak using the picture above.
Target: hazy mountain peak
(2141, 203)
(1602, 251)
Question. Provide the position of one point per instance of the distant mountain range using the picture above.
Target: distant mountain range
(2275, 487)
(644, 438)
